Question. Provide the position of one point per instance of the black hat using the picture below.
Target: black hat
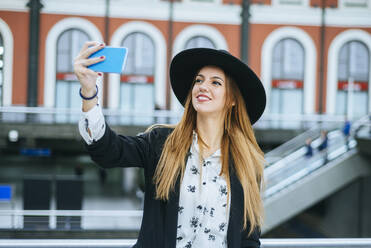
(187, 63)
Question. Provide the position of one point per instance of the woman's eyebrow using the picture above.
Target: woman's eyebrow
(214, 77)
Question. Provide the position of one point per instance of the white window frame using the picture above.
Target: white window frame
(51, 53)
(137, 55)
(8, 43)
(310, 72)
(160, 61)
(201, 36)
(283, 56)
(333, 60)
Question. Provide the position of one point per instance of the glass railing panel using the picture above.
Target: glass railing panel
(126, 243)
(295, 166)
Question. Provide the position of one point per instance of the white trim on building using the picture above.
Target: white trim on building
(355, 4)
(149, 10)
(291, 3)
(51, 53)
(332, 64)
(309, 16)
(310, 63)
(199, 30)
(14, 5)
(204, 2)
(186, 34)
(198, 12)
(160, 61)
(7, 36)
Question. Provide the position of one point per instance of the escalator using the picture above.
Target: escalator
(294, 182)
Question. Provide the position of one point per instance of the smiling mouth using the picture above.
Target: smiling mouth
(203, 98)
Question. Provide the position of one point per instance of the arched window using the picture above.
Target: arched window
(137, 91)
(199, 41)
(287, 77)
(1, 70)
(353, 79)
(67, 88)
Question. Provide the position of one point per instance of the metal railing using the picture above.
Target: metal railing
(313, 133)
(50, 115)
(46, 115)
(87, 219)
(295, 161)
(296, 176)
(291, 146)
(126, 243)
(298, 243)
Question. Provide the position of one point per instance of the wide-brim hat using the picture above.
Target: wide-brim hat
(186, 64)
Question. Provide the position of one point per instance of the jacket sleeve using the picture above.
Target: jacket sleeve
(114, 150)
(252, 240)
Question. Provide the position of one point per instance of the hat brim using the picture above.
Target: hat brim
(187, 63)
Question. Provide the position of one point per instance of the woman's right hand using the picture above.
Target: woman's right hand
(86, 76)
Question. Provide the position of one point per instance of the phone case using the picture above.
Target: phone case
(114, 62)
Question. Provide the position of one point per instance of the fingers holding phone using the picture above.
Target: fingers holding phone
(86, 76)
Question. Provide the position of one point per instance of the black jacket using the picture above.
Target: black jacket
(159, 224)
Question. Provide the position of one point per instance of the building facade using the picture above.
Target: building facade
(315, 54)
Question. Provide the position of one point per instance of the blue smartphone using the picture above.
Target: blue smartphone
(114, 62)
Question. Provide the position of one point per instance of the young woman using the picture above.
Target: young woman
(203, 176)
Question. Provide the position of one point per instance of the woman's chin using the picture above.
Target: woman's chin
(205, 111)
(204, 108)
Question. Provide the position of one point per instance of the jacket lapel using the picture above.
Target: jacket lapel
(235, 214)
(171, 214)
(171, 217)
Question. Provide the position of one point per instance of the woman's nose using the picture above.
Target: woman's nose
(203, 87)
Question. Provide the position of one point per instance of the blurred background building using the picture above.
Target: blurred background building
(313, 57)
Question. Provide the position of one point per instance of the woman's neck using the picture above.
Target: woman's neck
(210, 129)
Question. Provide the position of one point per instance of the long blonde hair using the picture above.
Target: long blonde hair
(238, 140)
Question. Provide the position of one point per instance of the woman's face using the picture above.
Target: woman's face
(209, 91)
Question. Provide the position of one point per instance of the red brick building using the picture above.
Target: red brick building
(284, 48)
